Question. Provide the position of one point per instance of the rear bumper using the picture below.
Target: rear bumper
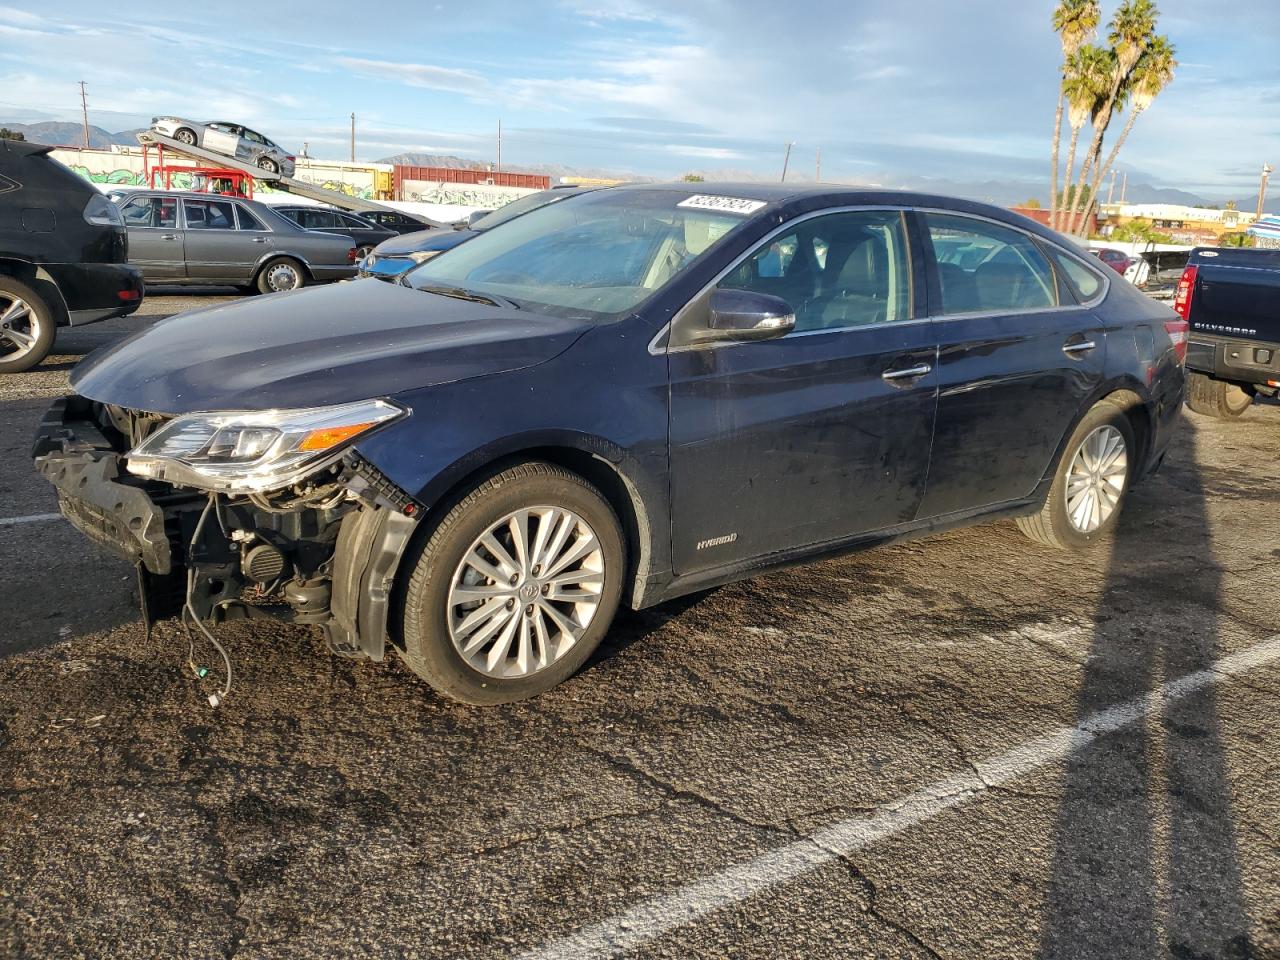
(94, 492)
(97, 291)
(1239, 361)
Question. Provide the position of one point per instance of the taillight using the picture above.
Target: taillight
(1177, 331)
(1185, 292)
(351, 255)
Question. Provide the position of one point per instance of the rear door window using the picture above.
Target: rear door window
(318, 219)
(247, 220)
(1083, 282)
(209, 214)
(151, 212)
(984, 267)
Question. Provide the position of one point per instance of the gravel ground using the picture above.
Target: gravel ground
(865, 757)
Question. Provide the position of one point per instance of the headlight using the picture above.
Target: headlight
(422, 256)
(254, 451)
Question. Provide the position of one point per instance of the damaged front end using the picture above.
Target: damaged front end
(241, 514)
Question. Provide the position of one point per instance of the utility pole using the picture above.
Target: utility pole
(353, 138)
(817, 166)
(1267, 170)
(84, 113)
(1124, 188)
(1111, 190)
(787, 159)
(499, 144)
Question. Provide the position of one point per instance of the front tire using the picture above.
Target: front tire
(1090, 483)
(27, 327)
(1213, 398)
(515, 588)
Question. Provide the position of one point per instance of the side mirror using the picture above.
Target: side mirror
(747, 315)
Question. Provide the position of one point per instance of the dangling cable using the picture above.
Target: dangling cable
(215, 699)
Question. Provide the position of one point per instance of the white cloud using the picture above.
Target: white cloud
(707, 153)
(419, 75)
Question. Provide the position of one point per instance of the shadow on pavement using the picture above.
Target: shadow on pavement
(1145, 861)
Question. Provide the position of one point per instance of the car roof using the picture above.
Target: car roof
(816, 195)
(24, 148)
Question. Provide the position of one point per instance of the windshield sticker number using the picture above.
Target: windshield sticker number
(723, 204)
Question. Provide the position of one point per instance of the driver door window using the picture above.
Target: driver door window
(838, 271)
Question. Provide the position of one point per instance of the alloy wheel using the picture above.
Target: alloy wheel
(1096, 478)
(525, 592)
(19, 327)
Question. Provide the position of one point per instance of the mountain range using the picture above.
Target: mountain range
(1002, 192)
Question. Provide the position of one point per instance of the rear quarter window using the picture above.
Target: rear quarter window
(1084, 282)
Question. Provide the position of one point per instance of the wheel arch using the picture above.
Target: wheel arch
(39, 279)
(1129, 394)
(266, 258)
(600, 462)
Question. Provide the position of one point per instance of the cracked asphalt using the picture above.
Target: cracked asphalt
(336, 808)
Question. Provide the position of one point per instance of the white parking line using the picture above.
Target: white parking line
(32, 518)
(659, 915)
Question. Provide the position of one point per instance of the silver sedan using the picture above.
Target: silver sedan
(229, 139)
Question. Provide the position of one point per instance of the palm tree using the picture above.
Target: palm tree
(1131, 31)
(1083, 79)
(1153, 72)
(1076, 23)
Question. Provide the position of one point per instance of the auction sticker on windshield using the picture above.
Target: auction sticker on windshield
(723, 204)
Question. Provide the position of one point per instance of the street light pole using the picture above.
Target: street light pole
(353, 138)
(1267, 170)
(787, 159)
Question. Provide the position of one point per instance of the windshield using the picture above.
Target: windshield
(590, 255)
(516, 207)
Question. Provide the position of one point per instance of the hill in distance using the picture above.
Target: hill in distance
(61, 134)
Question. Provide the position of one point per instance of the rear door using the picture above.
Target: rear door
(155, 238)
(817, 435)
(1017, 360)
(215, 249)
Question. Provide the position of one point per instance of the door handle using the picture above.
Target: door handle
(1083, 347)
(910, 373)
(170, 236)
(259, 239)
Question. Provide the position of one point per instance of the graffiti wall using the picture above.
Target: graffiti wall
(475, 195)
(123, 166)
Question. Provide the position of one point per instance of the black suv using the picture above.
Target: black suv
(63, 255)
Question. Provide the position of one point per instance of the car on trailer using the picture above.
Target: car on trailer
(229, 139)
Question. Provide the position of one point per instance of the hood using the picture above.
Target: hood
(325, 345)
(419, 240)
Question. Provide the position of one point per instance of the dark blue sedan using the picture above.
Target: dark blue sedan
(633, 394)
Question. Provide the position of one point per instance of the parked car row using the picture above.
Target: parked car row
(196, 238)
(629, 395)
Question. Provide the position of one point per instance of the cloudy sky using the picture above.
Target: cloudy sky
(890, 91)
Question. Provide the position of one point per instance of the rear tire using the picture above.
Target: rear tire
(1099, 459)
(185, 135)
(27, 327)
(475, 635)
(1213, 398)
(281, 274)
(364, 250)
(266, 163)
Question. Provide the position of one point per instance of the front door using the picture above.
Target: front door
(155, 240)
(818, 435)
(1017, 359)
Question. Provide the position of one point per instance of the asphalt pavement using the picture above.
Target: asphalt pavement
(962, 746)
